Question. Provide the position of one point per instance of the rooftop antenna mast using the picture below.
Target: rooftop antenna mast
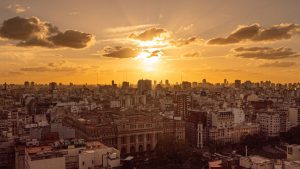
(97, 78)
(181, 76)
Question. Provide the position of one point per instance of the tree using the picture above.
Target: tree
(292, 136)
(254, 141)
(172, 153)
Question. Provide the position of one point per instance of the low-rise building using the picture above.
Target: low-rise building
(44, 157)
(256, 162)
(293, 152)
(72, 154)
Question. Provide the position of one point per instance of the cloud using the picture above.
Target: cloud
(256, 33)
(34, 32)
(265, 53)
(185, 28)
(61, 66)
(184, 42)
(17, 8)
(72, 39)
(126, 29)
(149, 34)
(35, 69)
(120, 52)
(155, 53)
(194, 54)
(73, 13)
(277, 32)
(11, 73)
(278, 64)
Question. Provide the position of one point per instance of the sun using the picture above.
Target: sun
(151, 52)
(149, 59)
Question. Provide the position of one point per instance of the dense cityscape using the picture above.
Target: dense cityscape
(150, 125)
(149, 84)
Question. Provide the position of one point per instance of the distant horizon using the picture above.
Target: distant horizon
(157, 82)
(132, 39)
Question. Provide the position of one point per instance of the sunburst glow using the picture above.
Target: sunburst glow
(151, 52)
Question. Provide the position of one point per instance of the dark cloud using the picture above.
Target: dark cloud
(277, 32)
(265, 53)
(120, 52)
(256, 33)
(184, 42)
(148, 34)
(35, 41)
(19, 28)
(34, 32)
(279, 64)
(72, 39)
(241, 33)
(195, 54)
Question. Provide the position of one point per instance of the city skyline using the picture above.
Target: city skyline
(98, 41)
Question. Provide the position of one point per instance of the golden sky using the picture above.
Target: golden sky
(102, 40)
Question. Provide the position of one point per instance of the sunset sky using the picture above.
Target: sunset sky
(90, 41)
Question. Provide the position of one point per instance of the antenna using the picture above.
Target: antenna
(181, 76)
(97, 77)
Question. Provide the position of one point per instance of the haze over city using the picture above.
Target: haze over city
(149, 84)
(98, 41)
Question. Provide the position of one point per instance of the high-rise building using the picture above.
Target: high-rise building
(144, 85)
(167, 83)
(185, 85)
(237, 83)
(204, 85)
(53, 85)
(225, 82)
(113, 84)
(269, 123)
(125, 85)
(294, 115)
(184, 103)
(196, 128)
(26, 84)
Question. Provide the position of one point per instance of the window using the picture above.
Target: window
(148, 137)
(141, 138)
(82, 162)
(123, 140)
(132, 139)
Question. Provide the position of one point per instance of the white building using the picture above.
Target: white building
(98, 155)
(44, 157)
(294, 115)
(70, 155)
(293, 152)
(238, 116)
(222, 127)
(256, 162)
(269, 123)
